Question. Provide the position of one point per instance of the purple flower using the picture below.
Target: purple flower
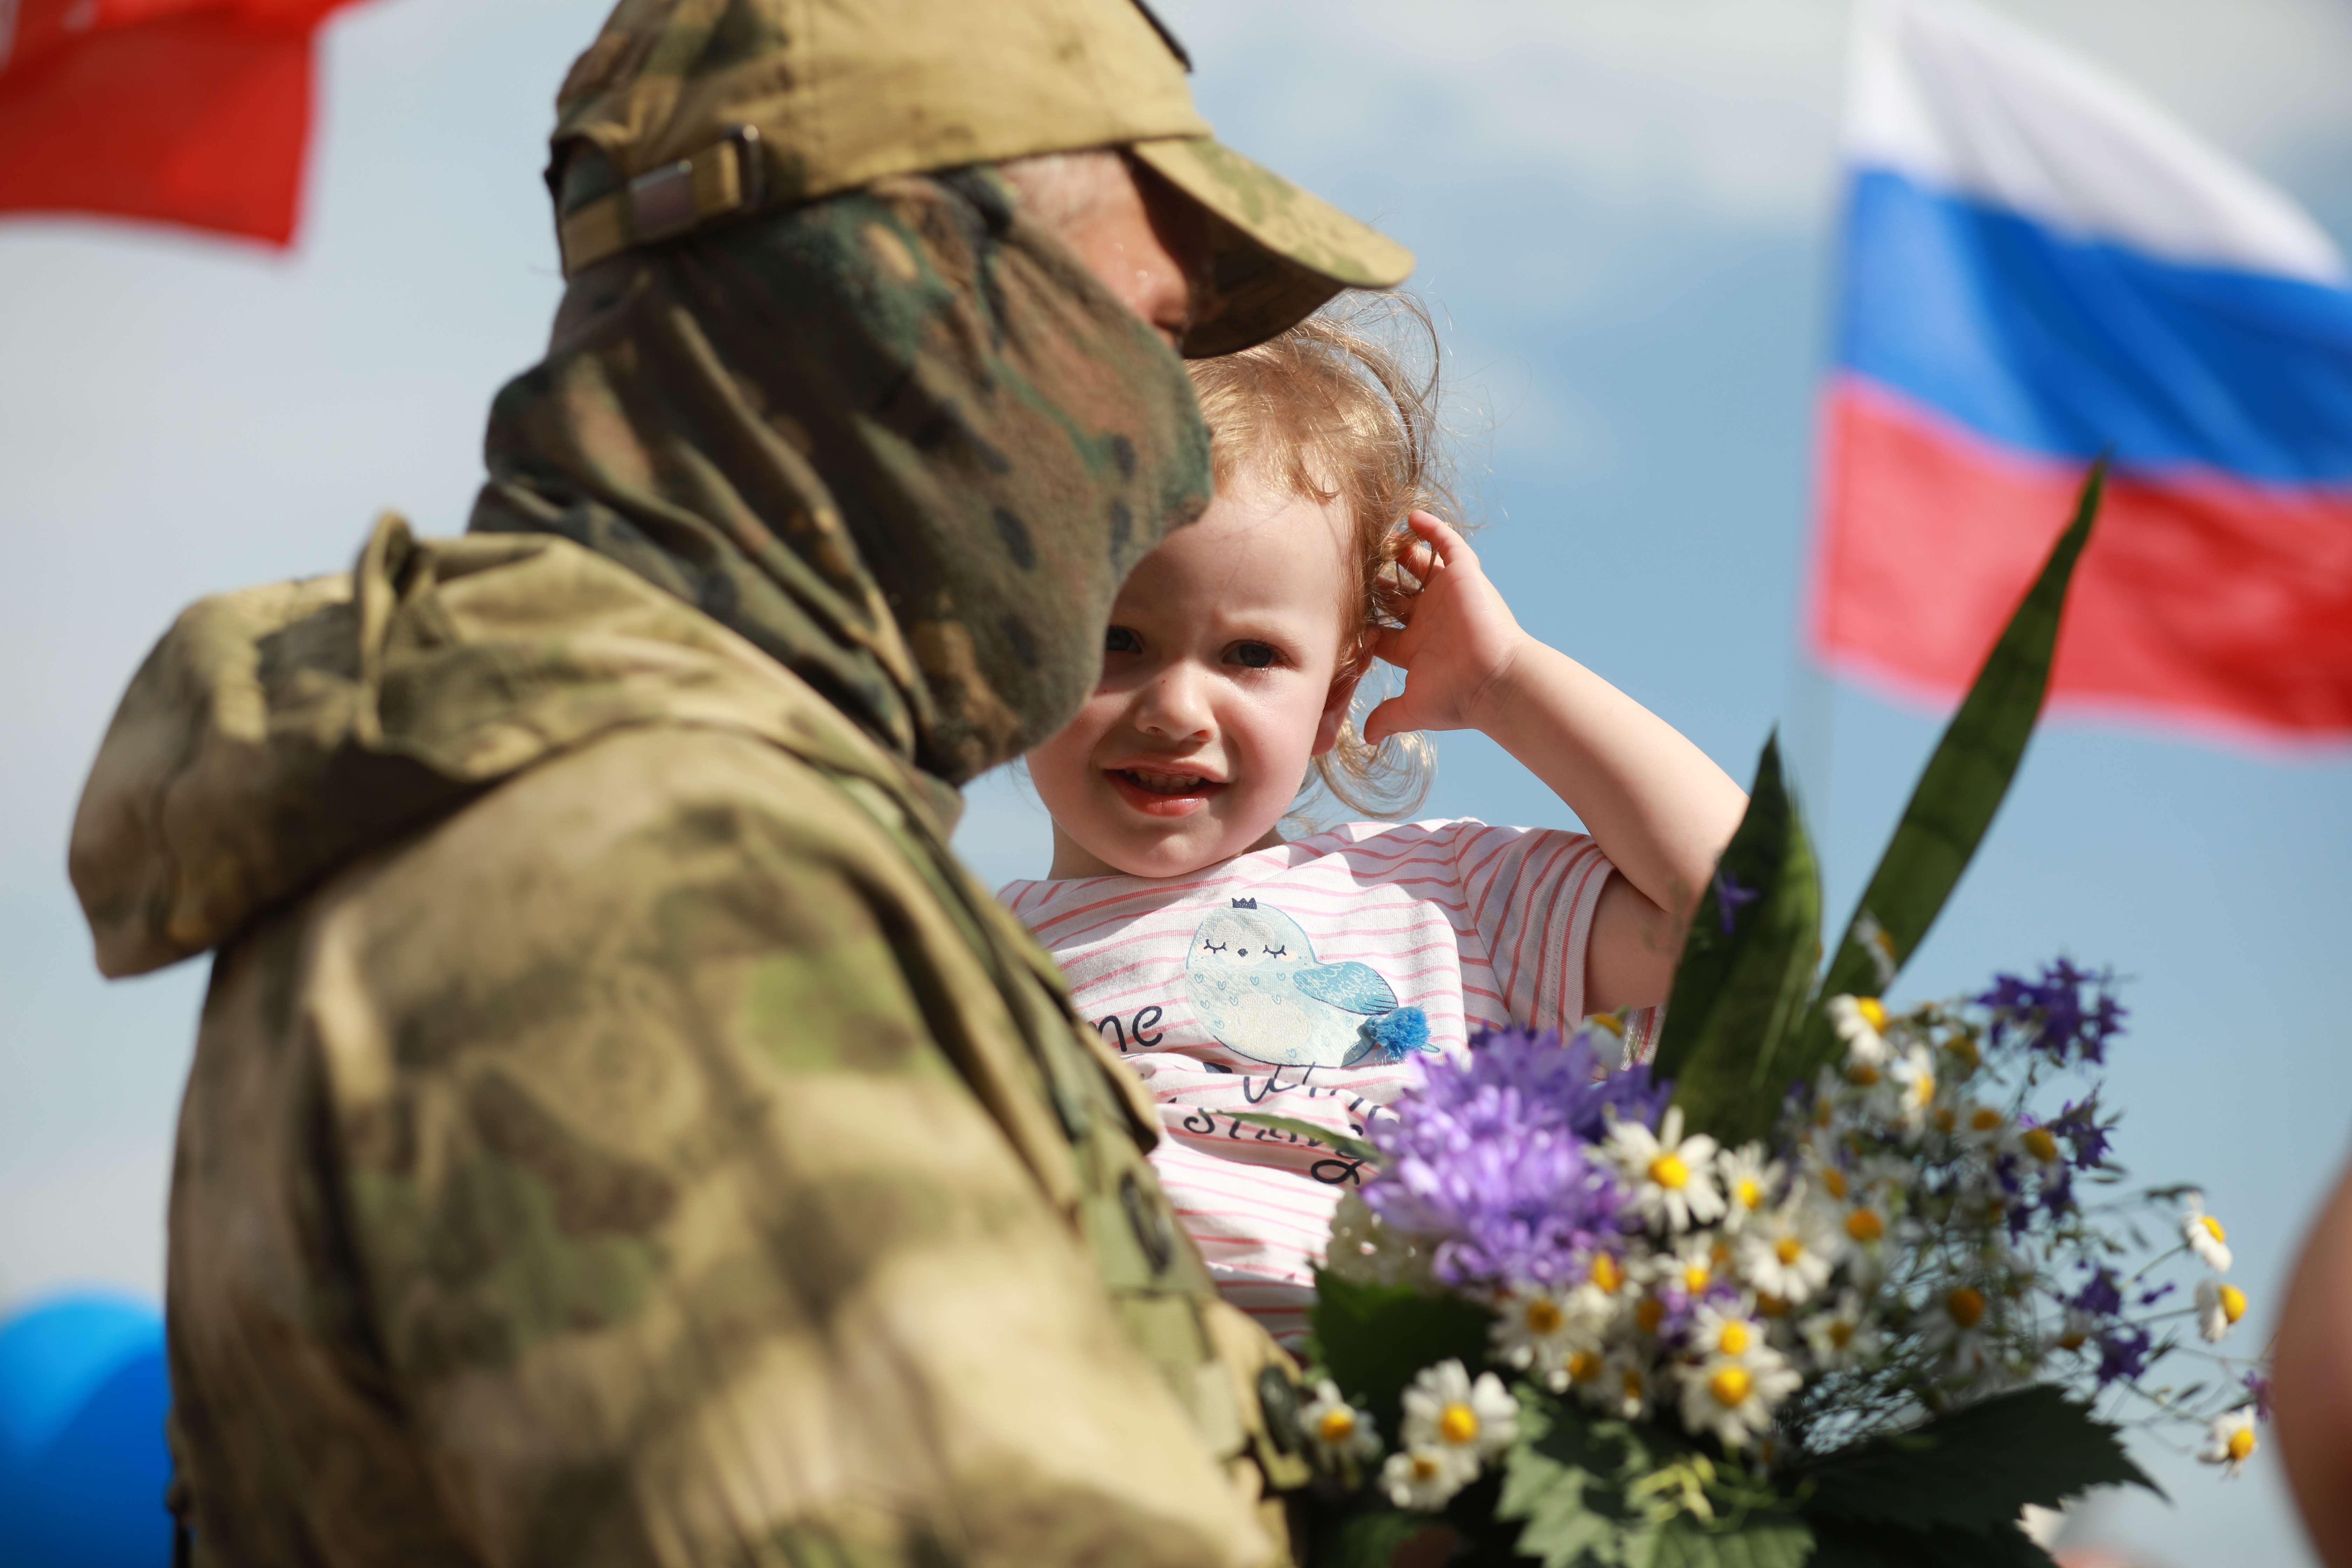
(2079, 1125)
(2052, 1014)
(2004, 1170)
(2103, 1297)
(1494, 1157)
(1730, 898)
(2058, 1192)
(2122, 1353)
(2259, 1387)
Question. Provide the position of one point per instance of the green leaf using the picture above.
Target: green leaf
(1562, 1527)
(1374, 1338)
(1974, 1468)
(1367, 1540)
(1842, 1545)
(1961, 788)
(1741, 987)
(1765, 1541)
(1339, 1144)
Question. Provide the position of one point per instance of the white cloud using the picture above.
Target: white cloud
(1723, 110)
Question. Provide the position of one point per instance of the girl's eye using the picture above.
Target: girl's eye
(1253, 654)
(1120, 639)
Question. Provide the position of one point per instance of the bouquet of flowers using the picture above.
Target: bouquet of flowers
(1828, 1283)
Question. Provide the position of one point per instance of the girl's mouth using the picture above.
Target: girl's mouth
(1157, 793)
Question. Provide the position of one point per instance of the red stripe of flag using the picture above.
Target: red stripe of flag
(2205, 597)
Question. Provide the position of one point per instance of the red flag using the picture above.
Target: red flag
(2220, 605)
(193, 112)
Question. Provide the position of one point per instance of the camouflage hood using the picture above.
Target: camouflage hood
(898, 443)
(280, 732)
(901, 440)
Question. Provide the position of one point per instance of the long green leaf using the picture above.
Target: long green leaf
(1976, 1467)
(1961, 788)
(1746, 969)
(1339, 1143)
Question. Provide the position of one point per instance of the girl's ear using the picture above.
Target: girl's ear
(1335, 709)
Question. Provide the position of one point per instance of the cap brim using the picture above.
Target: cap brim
(1278, 252)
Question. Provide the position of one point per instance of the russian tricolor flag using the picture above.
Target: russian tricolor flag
(2040, 266)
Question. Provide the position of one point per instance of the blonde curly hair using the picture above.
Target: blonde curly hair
(1332, 411)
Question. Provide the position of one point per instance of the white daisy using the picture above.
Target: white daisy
(1861, 1023)
(1790, 1253)
(1540, 1331)
(2232, 1441)
(1883, 1175)
(2220, 1305)
(1727, 1333)
(1426, 1480)
(1693, 1263)
(1672, 1177)
(1980, 1126)
(1733, 1397)
(1868, 1233)
(1842, 1336)
(1625, 1384)
(2205, 1235)
(1584, 1372)
(1825, 1177)
(1749, 1183)
(1879, 945)
(1444, 1410)
(1954, 1329)
(1911, 1081)
(1605, 1275)
(1340, 1434)
(2039, 1146)
(2079, 1329)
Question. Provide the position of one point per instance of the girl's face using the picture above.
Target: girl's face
(1219, 686)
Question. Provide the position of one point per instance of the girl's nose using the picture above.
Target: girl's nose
(1175, 703)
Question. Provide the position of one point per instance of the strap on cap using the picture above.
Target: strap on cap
(720, 181)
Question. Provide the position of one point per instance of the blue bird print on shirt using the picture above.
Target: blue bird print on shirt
(1254, 979)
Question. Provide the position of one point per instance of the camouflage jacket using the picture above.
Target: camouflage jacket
(619, 1133)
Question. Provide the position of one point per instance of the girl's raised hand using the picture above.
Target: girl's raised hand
(1458, 638)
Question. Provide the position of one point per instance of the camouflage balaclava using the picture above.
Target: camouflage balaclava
(900, 439)
(818, 373)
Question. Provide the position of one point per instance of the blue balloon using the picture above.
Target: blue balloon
(83, 1466)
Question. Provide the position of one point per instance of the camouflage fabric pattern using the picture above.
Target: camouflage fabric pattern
(901, 439)
(836, 94)
(665, 1156)
(845, 92)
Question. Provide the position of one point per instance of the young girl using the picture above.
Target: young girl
(1239, 971)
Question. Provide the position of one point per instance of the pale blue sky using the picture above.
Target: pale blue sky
(1621, 208)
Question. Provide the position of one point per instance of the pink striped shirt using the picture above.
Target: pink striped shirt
(1284, 982)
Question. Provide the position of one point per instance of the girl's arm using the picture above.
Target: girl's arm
(1657, 805)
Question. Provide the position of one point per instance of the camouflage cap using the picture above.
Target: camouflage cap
(707, 109)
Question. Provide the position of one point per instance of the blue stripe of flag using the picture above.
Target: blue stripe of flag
(2066, 347)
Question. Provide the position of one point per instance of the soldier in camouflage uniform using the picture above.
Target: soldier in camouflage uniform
(620, 1131)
